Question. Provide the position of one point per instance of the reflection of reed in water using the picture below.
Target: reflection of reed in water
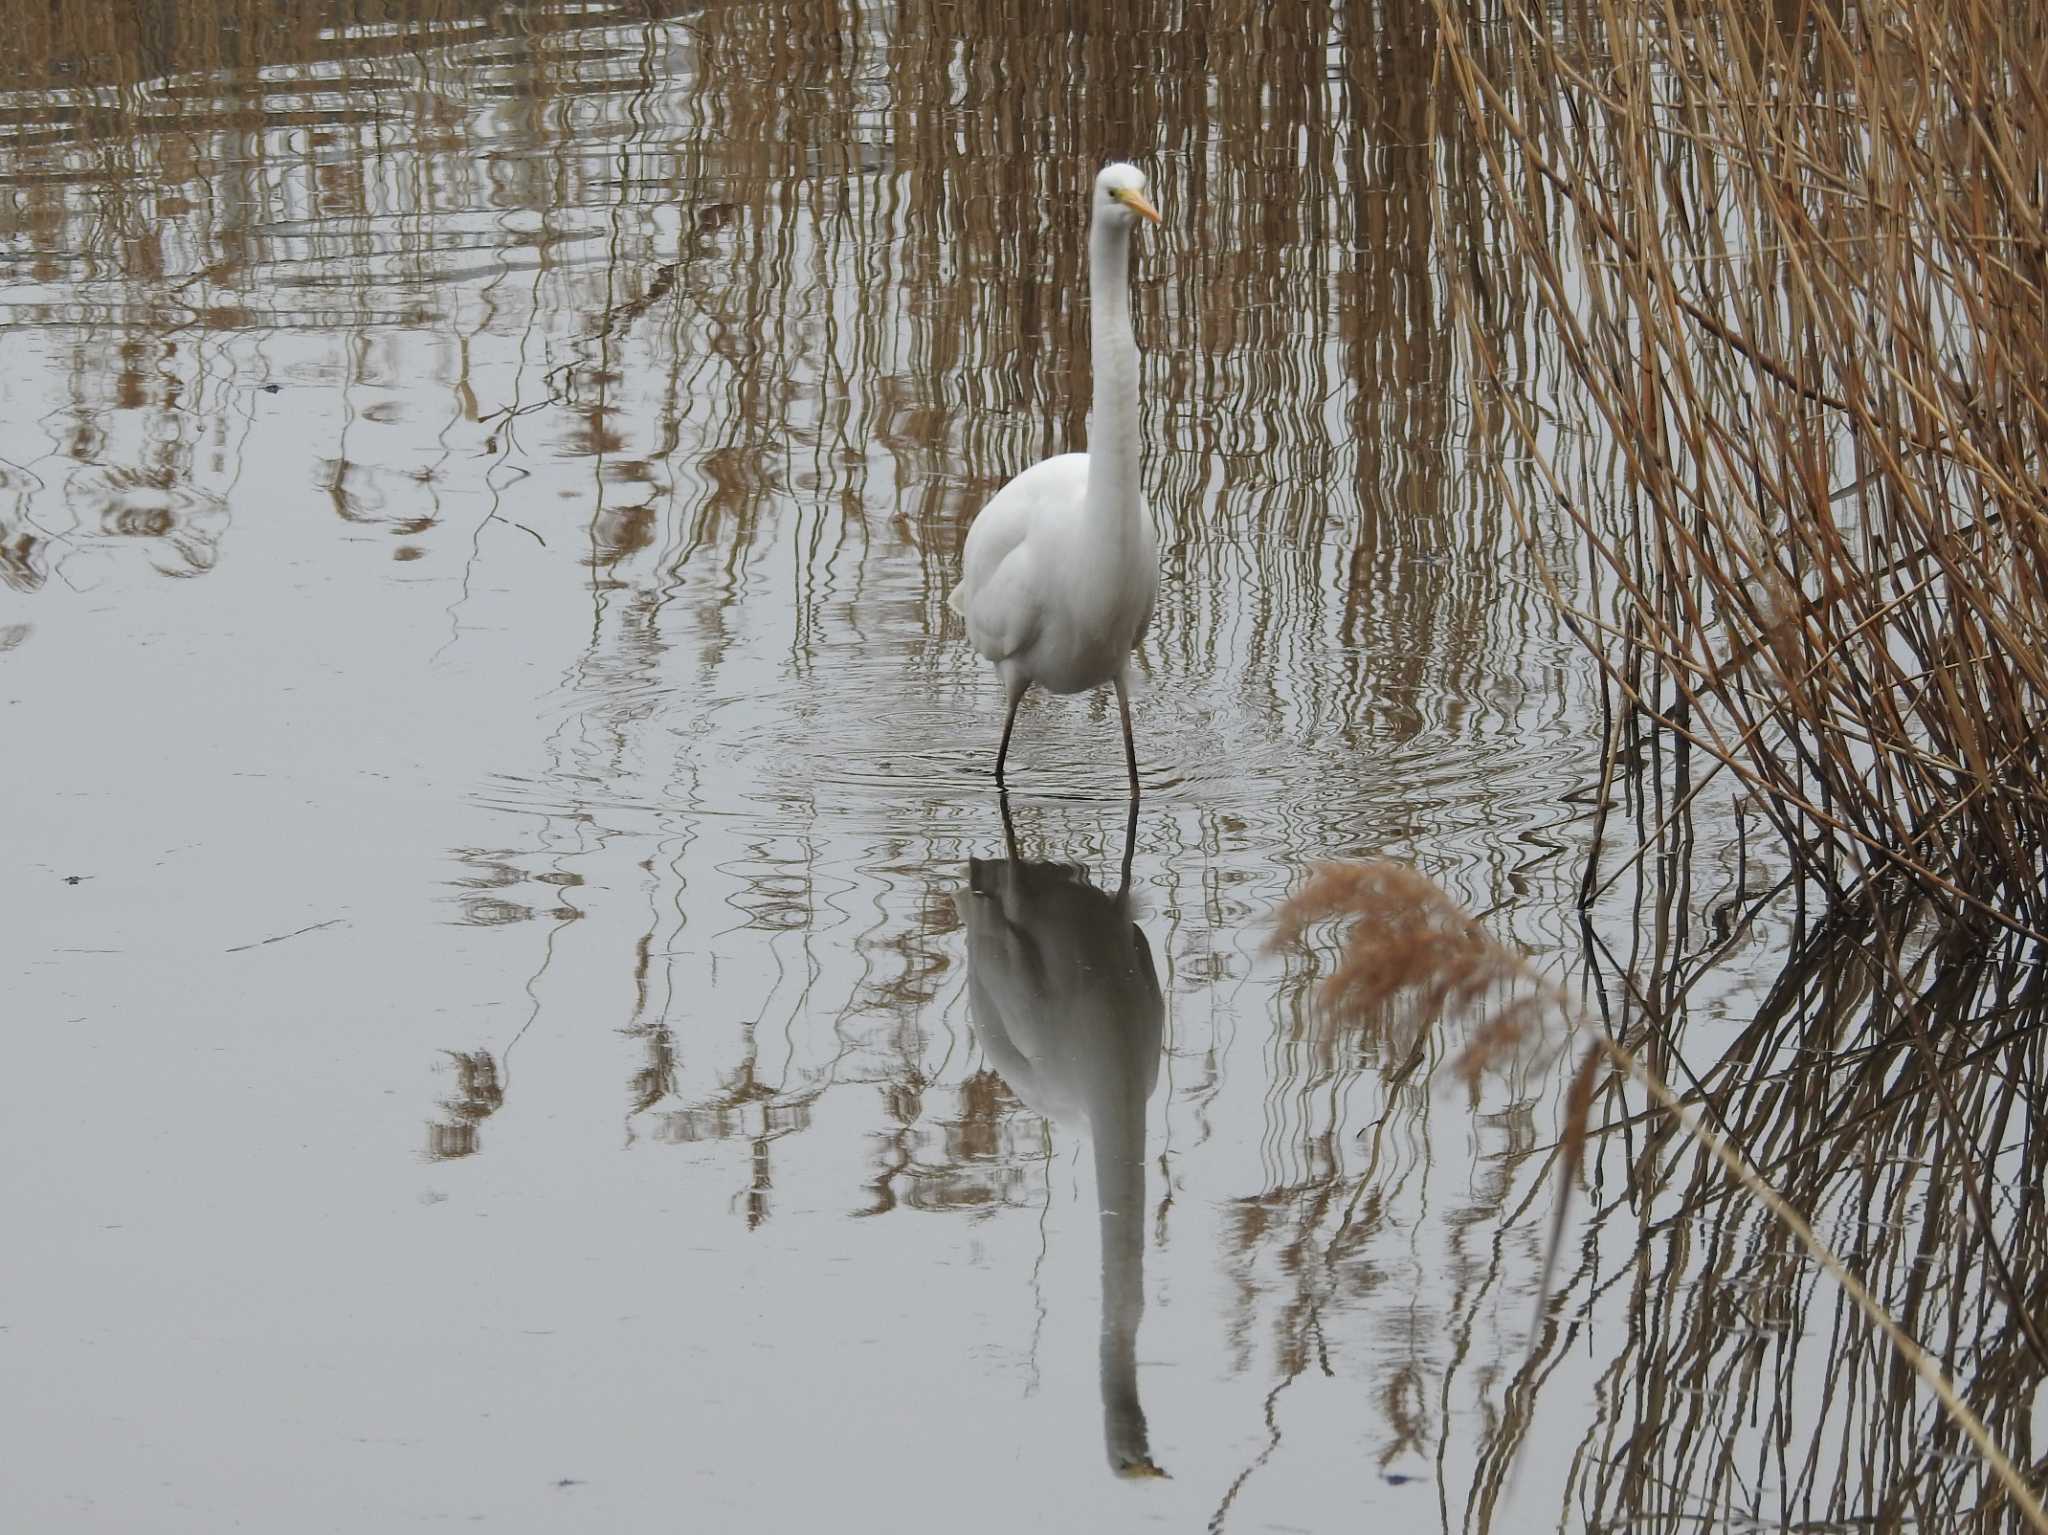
(419, 185)
(1875, 1209)
(1066, 1003)
(478, 1095)
(1895, 1092)
(139, 481)
(182, 182)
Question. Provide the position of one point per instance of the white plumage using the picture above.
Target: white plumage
(1062, 566)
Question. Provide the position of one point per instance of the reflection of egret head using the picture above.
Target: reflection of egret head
(1066, 1003)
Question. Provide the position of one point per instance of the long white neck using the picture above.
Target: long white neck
(1113, 423)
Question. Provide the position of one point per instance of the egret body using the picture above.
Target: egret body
(1062, 566)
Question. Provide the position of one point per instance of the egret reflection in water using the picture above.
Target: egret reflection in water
(1065, 1000)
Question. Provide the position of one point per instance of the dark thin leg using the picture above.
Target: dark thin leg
(1130, 847)
(1009, 724)
(1123, 707)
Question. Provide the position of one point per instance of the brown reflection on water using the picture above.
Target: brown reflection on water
(791, 254)
(1834, 1096)
(1891, 1083)
(477, 1095)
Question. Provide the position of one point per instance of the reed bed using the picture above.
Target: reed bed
(1789, 488)
(1797, 262)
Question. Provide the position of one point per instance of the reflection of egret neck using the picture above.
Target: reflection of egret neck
(1066, 1004)
(1120, 1196)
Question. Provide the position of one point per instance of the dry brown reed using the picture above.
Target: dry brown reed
(1797, 260)
(1409, 943)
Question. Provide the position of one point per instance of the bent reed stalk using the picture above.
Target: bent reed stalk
(1796, 260)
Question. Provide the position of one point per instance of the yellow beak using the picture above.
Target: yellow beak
(1135, 201)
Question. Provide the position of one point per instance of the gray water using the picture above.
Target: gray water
(493, 784)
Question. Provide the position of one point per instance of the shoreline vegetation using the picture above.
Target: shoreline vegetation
(1796, 261)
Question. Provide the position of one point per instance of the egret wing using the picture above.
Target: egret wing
(997, 594)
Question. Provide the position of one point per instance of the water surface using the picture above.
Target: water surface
(495, 790)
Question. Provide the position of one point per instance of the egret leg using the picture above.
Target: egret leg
(1009, 724)
(1123, 707)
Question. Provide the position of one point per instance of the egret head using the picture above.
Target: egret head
(1120, 195)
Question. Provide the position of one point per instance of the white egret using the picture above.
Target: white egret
(1062, 566)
